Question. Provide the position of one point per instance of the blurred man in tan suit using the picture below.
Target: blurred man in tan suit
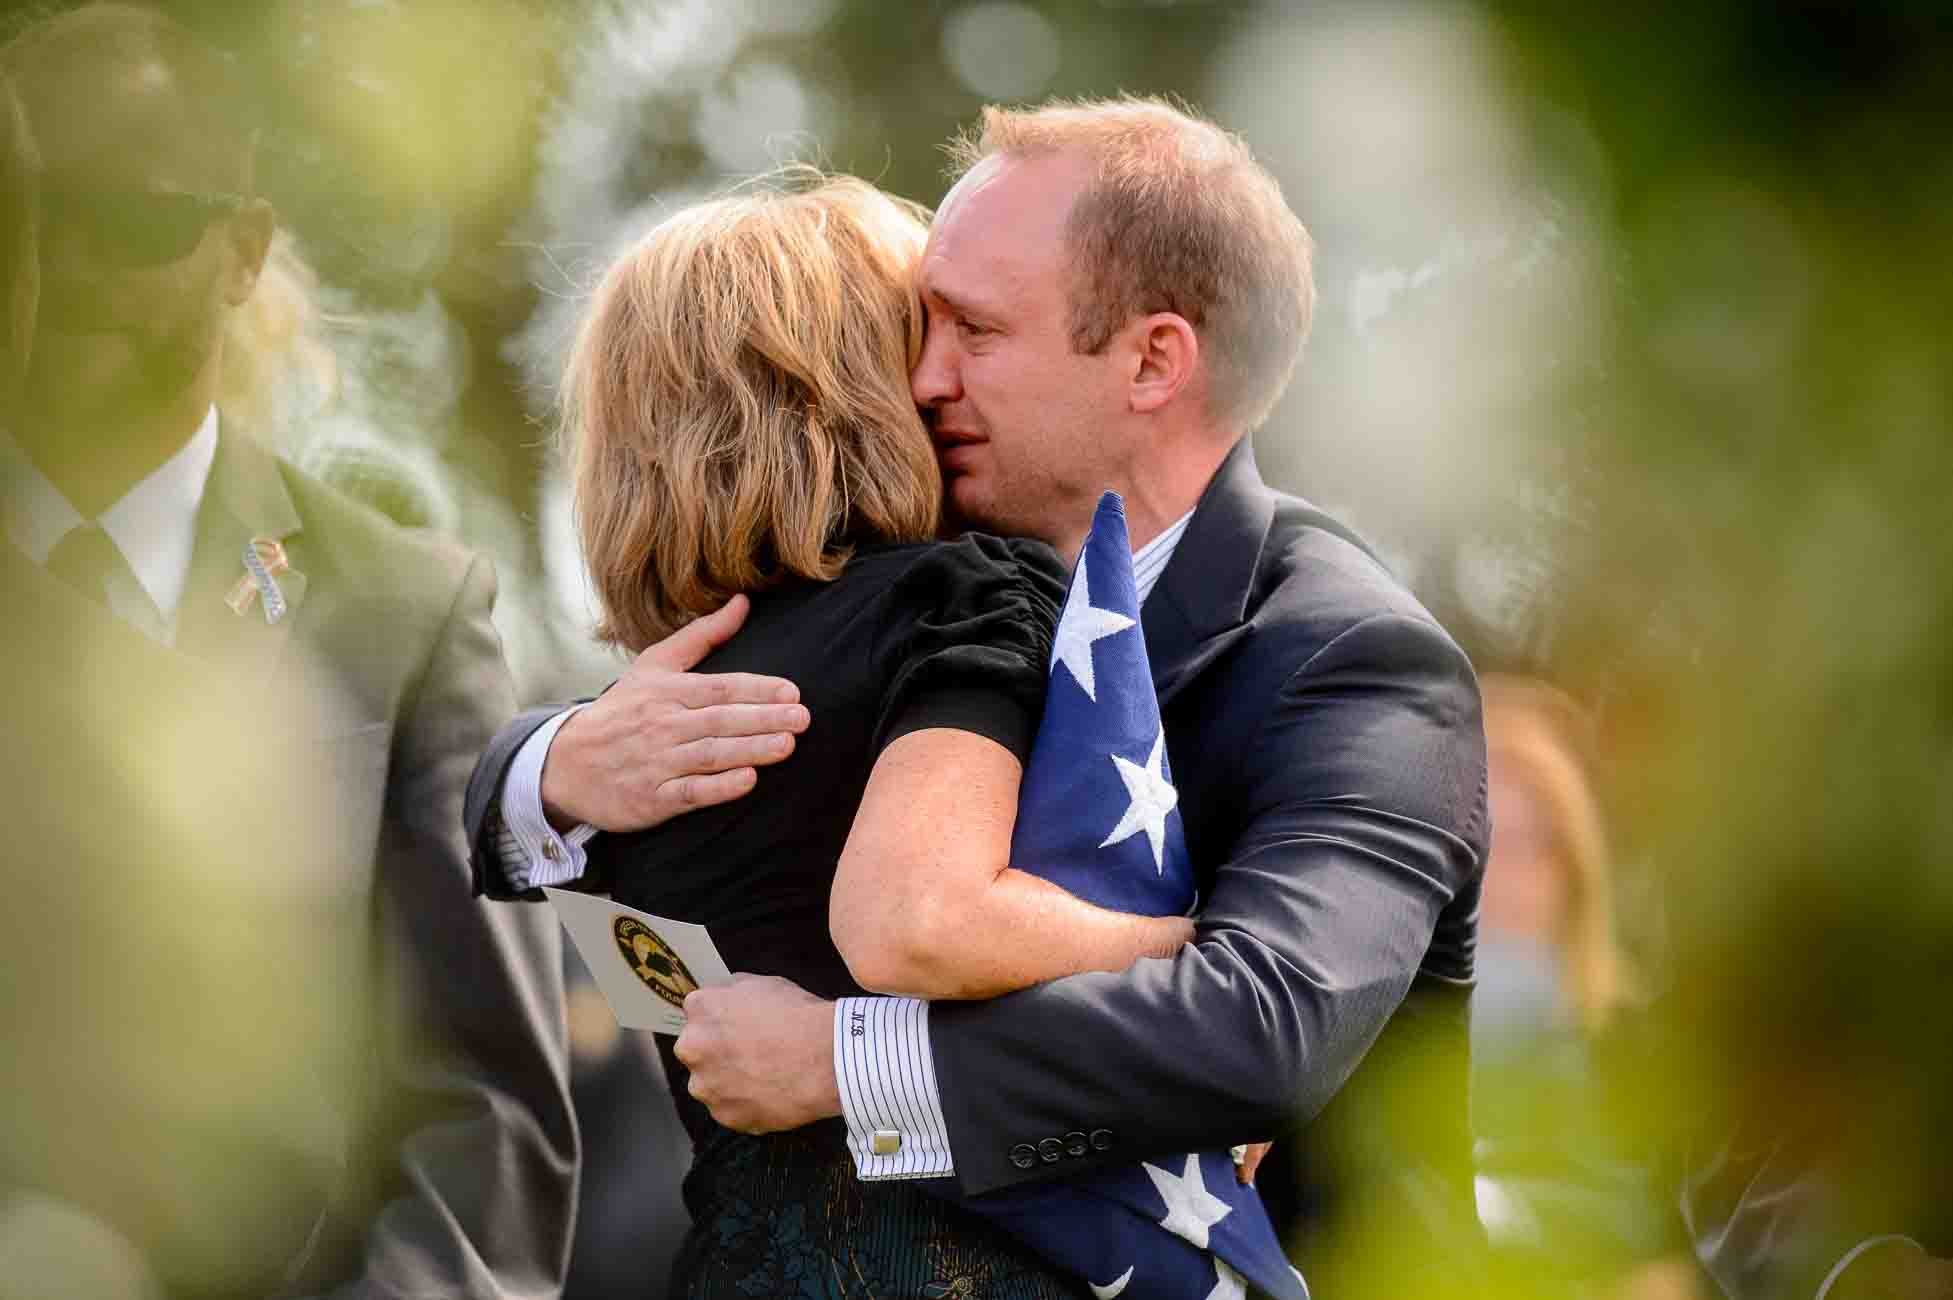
(254, 1025)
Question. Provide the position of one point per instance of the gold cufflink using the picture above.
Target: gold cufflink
(885, 1142)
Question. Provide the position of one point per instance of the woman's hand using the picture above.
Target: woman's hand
(761, 1054)
(1247, 1159)
(1172, 934)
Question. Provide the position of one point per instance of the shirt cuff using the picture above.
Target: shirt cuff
(887, 1080)
(531, 852)
(1851, 1257)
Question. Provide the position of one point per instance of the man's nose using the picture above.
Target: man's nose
(934, 379)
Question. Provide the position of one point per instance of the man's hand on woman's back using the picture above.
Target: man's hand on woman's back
(665, 740)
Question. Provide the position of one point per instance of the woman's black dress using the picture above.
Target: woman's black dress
(951, 634)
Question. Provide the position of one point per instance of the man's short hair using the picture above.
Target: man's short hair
(1178, 217)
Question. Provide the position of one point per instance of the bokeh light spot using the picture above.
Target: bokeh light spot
(1000, 49)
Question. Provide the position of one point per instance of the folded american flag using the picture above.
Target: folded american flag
(1097, 814)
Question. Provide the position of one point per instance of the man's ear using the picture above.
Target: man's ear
(1165, 354)
(251, 231)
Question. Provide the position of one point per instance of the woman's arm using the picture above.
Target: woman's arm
(924, 903)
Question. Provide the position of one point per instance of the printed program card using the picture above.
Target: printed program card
(644, 964)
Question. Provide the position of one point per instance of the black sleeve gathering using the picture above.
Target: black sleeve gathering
(977, 650)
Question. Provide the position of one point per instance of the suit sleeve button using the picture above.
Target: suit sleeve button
(1101, 1139)
(1023, 1155)
(1049, 1150)
(1076, 1144)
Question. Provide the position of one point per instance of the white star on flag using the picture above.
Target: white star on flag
(1112, 1289)
(1190, 1208)
(1228, 1284)
(1152, 798)
(1079, 625)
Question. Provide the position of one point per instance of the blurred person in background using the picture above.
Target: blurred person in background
(1565, 1200)
(1549, 957)
(1770, 1207)
(630, 1216)
(259, 1030)
(1116, 297)
(280, 376)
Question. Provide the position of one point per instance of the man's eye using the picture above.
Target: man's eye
(971, 329)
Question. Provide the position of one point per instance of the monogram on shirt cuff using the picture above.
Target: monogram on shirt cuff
(887, 1079)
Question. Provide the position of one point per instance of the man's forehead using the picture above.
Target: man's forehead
(982, 174)
(1032, 194)
(1005, 213)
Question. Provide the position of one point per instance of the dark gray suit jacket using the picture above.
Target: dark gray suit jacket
(1325, 736)
(1326, 740)
(293, 1054)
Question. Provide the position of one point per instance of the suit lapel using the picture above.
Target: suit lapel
(1200, 608)
(246, 498)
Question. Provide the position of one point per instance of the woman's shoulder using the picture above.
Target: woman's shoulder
(974, 565)
(968, 638)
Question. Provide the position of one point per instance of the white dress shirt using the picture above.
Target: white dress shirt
(153, 525)
(882, 1058)
(532, 853)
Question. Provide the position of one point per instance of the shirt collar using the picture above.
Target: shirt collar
(154, 524)
(35, 513)
(1150, 560)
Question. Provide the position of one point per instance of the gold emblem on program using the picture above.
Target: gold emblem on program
(652, 960)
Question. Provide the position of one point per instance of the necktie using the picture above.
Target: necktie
(84, 559)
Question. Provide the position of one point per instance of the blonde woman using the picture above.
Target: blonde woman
(1549, 886)
(739, 406)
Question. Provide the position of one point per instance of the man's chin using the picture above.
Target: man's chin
(97, 356)
(967, 507)
(99, 369)
(83, 394)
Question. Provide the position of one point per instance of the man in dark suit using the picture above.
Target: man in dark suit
(256, 1027)
(1116, 295)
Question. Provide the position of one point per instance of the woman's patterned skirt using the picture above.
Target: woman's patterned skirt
(785, 1216)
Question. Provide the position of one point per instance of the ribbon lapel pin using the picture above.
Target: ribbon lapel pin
(264, 560)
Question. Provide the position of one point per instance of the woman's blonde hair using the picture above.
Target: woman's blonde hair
(738, 401)
(277, 369)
